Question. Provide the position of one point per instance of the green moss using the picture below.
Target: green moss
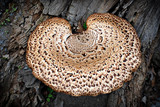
(7, 10)
(85, 26)
(7, 13)
(48, 99)
(19, 67)
(50, 90)
(13, 8)
(50, 94)
(8, 20)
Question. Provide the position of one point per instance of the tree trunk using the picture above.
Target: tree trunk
(18, 87)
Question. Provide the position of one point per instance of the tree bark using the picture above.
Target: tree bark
(18, 87)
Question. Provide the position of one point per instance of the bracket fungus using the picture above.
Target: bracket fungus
(96, 61)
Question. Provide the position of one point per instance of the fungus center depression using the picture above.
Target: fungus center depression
(89, 50)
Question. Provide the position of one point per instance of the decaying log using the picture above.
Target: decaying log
(20, 88)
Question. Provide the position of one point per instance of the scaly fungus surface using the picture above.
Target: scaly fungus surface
(97, 61)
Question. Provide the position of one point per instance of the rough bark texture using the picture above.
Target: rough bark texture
(18, 87)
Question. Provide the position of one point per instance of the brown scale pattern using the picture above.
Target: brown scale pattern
(97, 61)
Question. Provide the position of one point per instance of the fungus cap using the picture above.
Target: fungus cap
(97, 61)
